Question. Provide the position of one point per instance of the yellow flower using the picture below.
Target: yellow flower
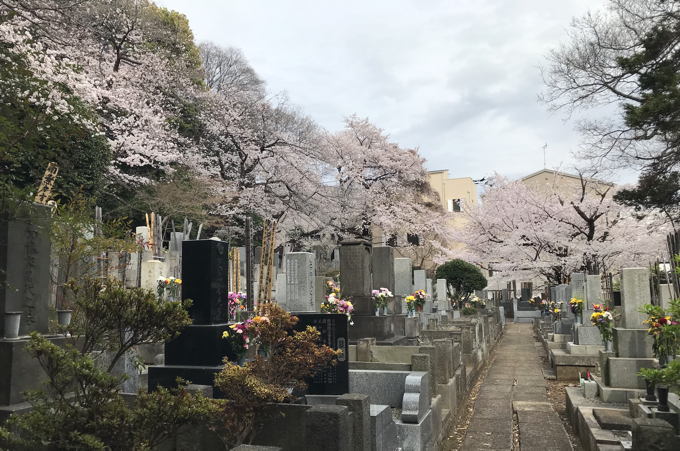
(225, 334)
(178, 281)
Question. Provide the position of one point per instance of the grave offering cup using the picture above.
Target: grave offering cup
(64, 317)
(663, 399)
(650, 386)
(12, 322)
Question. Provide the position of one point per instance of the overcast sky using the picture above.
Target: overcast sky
(458, 79)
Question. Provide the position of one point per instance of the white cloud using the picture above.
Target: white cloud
(458, 79)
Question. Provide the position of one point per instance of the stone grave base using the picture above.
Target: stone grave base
(166, 375)
(380, 327)
(568, 366)
(621, 425)
(587, 350)
(526, 316)
(21, 372)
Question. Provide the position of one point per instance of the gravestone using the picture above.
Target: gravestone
(667, 295)
(578, 285)
(152, 270)
(334, 331)
(419, 280)
(403, 282)
(25, 250)
(355, 268)
(564, 295)
(587, 334)
(525, 295)
(635, 293)
(593, 290)
(300, 281)
(281, 289)
(553, 293)
(383, 267)
(442, 301)
(197, 353)
(132, 270)
(356, 282)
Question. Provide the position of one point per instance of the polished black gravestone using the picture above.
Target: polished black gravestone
(333, 328)
(196, 354)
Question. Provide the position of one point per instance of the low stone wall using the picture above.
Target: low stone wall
(413, 393)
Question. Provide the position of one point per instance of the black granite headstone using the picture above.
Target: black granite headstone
(334, 332)
(205, 279)
(196, 354)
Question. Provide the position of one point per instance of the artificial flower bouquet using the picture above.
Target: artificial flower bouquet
(168, 288)
(603, 319)
(665, 330)
(381, 297)
(243, 335)
(416, 301)
(236, 304)
(576, 306)
(335, 304)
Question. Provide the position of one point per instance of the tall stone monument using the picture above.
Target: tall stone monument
(356, 282)
(419, 280)
(300, 281)
(403, 277)
(635, 292)
(25, 266)
(383, 268)
(197, 353)
(593, 290)
(24, 287)
(355, 275)
(578, 285)
(442, 300)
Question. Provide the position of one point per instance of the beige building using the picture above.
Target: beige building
(548, 181)
(454, 193)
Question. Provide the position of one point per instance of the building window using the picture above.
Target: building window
(413, 240)
(455, 205)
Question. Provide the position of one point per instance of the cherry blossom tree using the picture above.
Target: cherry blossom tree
(112, 56)
(523, 232)
(376, 183)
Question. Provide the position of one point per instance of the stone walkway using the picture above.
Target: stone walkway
(514, 385)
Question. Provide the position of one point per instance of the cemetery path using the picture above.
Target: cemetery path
(513, 399)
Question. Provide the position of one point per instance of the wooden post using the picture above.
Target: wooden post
(250, 289)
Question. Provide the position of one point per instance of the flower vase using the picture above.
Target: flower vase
(608, 345)
(419, 308)
(650, 391)
(662, 392)
(64, 317)
(12, 322)
(377, 311)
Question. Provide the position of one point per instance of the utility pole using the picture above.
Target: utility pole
(545, 146)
